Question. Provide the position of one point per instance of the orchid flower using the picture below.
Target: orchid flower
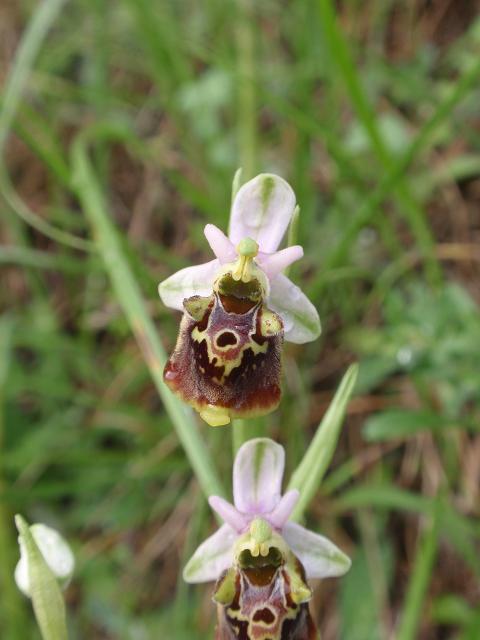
(257, 480)
(262, 210)
(259, 559)
(258, 536)
(238, 309)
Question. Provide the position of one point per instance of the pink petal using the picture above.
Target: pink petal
(275, 263)
(320, 557)
(220, 244)
(300, 318)
(284, 508)
(212, 557)
(257, 476)
(262, 210)
(228, 513)
(188, 282)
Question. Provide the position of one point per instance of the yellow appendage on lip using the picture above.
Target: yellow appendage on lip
(215, 416)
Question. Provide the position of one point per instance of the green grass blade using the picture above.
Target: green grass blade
(395, 173)
(34, 37)
(417, 588)
(130, 298)
(309, 473)
(11, 609)
(341, 55)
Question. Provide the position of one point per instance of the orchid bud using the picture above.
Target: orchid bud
(56, 553)
(44, 558)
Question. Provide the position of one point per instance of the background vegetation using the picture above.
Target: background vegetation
(370, 109)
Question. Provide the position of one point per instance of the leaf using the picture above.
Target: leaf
(309, 473)
(398, 423)
(358, 611)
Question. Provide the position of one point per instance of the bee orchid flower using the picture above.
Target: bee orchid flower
(261, 561)
(238, 309)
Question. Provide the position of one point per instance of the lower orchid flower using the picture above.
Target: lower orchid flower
(259, 559)
(238, 309)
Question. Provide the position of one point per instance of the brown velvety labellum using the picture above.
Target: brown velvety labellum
(227, 356)
(263, 609)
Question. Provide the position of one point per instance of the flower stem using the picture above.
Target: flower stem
(239, 434)
(247, 124)
(130, 298)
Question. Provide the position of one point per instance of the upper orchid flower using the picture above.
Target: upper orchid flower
(238, 308)
(261, 210)
(258, 554)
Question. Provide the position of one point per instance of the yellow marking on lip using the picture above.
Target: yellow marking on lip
(229, 365)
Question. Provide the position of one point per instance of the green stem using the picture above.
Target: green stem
(247, 121)
(130, 298)
(239, 434)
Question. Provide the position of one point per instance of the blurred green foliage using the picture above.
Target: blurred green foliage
(370, 110)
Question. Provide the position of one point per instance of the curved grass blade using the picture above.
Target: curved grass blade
(43, 19)
(130, 298)
(309, 473)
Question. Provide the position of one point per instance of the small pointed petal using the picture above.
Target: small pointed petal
(221, 246)
(212, 557)
(320, 557)
(262, 210)
(228, 513)
(275, 263)
(257, 476)
(284, 508)
(188, 282)
(300, 318)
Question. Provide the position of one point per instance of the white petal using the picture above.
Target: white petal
(257, 476)
(262, 210)
(212, 557)
(320, 557)
(275, 263)
(21, 576)
(188, 282)
(56, 553)
(221, 246)
(300, 318)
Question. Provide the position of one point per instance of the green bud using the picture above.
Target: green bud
(47, 599)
